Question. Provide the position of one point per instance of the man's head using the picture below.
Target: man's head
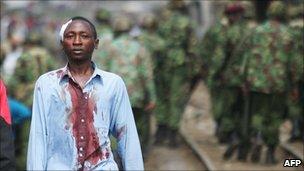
(277, 11)
(33, 38)
(78, 39)
(103, 16)
(177, 4)
(149, 21)
(121, 24)
(234, 12)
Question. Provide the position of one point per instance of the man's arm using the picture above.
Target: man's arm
(37, 147)
(124, 129)
(147, 77)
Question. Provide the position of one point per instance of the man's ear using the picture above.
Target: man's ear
(96, 43)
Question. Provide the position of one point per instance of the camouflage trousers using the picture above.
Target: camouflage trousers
(173, 97)
(142, 120)
(21, 143)
(295, 102)
(267, 112)
(295, 112)
(226, 109)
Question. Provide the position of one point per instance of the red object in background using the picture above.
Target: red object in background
(234, 8)
(4, 109)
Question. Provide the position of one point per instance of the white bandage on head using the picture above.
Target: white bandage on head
(63, 27)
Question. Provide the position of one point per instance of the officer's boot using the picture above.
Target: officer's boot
(173, 138)
(302, 129)
(217, 130)
(257, 148)
(223, 135)
(233, 145)
(243, 150)
(270, 158)
(296, 131)
(161, 135)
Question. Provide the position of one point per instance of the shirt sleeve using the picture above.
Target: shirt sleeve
(4, 109)
(124, 129)
(37, 146)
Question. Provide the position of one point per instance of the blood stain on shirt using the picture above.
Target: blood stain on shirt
(82, 119)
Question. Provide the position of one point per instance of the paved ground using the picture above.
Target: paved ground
(164, 158)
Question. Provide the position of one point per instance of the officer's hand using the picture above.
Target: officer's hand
(150, 106)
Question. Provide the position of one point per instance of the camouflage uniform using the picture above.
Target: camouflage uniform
(213, 53)
(103, 28)
(262, 63)
(178, 65)
(34, 61)
(149, 38)
(266, 76)
(155, 45)
(218, 45)
(296, 82)
(129, 59)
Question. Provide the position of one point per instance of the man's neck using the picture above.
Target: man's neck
(81, 69)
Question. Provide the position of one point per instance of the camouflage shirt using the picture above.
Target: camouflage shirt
(31, 64)
(296, 29)
(182, 45)
(213, 50)
(263, 58)
(132, 62)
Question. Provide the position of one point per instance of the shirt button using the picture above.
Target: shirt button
(85, 97)
(82, 137)
(80, 154)
(82, 120)
(80, 149)
(87, 164)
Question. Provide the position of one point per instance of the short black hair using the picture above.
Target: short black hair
(88, 21)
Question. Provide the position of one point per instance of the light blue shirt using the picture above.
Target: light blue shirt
(52, 142)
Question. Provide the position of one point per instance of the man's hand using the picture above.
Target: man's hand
(150, 106)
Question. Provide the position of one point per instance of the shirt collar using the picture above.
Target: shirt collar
(65, 72)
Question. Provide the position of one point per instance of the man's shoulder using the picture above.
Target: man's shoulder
(50, 76)
(111, 79)
(109, 75)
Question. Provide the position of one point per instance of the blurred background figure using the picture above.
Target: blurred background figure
(148, 25)
(15, 35)
(266, 77)
(103, 20)
(218, 45)
(177, 67)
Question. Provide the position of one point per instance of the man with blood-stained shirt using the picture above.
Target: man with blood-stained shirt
(77, 108)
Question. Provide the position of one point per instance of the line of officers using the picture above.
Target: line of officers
(255, 77)
(254, 72)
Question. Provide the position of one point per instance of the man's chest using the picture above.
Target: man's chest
(71, 106)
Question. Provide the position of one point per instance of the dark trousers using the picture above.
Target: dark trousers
(7, 152)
